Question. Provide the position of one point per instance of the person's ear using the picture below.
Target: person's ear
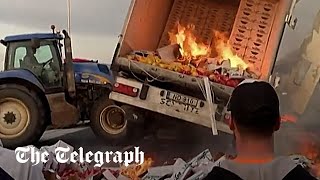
(231, 124)
(278, 124)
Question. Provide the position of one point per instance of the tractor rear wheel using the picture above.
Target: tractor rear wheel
(112, 123)
(22, 117)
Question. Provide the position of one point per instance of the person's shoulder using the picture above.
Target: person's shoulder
(221, 173)
(299, 173)
(4, 175)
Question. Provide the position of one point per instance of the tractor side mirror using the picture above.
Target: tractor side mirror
(35, 43)
(3, 42)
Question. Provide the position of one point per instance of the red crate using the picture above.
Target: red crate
(268, 6)
(242, 33)
(244, 13)
(261, 28)
(206, 15)
(248, 24)
(251, 1)
(254, 34)
(253, 55)
(259, 40)
(241, 22)
(257, 65)
(237, 41)
(247, 6)
(267, 11)
(239, 51)
(257, 46)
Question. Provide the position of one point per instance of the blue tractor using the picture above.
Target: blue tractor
(41, 86)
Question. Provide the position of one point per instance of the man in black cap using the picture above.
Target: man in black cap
(255, 116)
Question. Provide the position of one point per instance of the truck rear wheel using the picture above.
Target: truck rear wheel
(109, 122)
(22, 117)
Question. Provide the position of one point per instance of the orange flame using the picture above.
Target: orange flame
(225, 51)
(312, 153)
(135, 170)
(316, 169)
(189, 48)
(311, 150)
(288, 118)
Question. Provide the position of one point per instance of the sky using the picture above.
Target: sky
(96, 24)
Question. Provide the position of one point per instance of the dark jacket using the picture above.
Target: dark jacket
(282, 168)
(4, 175)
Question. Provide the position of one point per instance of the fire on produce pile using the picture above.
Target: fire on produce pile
(310, 149)
(134, 171)
(196, 168)
(188, 56)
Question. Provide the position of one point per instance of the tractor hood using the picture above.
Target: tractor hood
(90, 72)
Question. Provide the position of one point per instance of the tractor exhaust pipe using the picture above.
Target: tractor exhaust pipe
(69, 72)
(67, 46)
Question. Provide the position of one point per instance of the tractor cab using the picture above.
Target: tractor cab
(37, 53)
(41, 55)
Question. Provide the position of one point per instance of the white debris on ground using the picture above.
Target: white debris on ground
(306, 164)
(301, 160)
(197, 168)
(16, 170)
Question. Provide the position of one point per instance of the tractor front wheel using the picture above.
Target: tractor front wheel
(113, 123)
(108, 121)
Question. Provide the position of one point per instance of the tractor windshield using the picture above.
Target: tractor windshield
(44, 62)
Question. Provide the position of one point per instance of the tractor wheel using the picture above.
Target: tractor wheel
(110, 122)
(22, 117)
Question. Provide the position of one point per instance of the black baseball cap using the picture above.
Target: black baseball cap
(255, 104)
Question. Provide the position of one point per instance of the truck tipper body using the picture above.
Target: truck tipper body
(251, 32)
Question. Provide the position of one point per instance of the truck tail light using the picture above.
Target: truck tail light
(125, 89)
(227, 118)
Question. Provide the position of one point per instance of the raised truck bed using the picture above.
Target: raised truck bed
(239, 40)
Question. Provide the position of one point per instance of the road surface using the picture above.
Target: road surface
(170, 139)
(162, 143)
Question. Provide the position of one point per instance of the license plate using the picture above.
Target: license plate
(182, 99)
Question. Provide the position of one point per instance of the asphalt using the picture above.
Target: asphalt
(163, 142)
(168, 139)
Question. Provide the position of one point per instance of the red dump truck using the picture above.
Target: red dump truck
(172, 53)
